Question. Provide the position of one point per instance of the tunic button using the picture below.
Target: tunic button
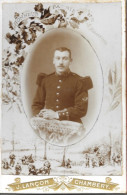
(57, 106)
(57, 93)
(60, 81)
(57, 100)
(58, 87)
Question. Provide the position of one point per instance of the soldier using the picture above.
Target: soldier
(87, 161)
(113, 158)
(5, 164)
(32, 170)
(68, 163)
(23, 160)
(12, 160)
(18, 169)
(93, 162)
(101, 161)
(118, 159)
(62, 95)
(30, 159)
(45, 169)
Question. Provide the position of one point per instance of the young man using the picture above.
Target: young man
(62, 95)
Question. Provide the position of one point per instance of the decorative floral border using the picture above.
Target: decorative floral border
(24, 31)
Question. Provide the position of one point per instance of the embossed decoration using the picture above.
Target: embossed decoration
(63, 183)
(17, 180)
(108, 179)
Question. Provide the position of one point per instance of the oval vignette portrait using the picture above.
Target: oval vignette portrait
(62, 87)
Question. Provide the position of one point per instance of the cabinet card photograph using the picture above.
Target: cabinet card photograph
(63, 97)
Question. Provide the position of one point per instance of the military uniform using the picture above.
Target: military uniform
(18, 169)
(12, 160)
(67, 94)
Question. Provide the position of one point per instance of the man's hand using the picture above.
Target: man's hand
(48, 114)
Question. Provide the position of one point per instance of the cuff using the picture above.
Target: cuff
(57, 115)
(63, 114)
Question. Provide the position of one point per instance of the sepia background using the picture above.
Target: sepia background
(85, 63)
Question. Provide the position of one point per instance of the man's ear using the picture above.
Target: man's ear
(71, 60)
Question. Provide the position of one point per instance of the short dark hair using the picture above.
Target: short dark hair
(63, 49)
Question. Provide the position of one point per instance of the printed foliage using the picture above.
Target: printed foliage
(115, 88)
(20, 37)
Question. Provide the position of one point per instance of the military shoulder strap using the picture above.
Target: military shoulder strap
(40, 77)
(87, 83)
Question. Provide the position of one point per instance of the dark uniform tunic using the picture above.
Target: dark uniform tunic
(67, 94)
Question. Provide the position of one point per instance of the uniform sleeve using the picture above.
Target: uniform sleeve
(80, 106)
(39, 100)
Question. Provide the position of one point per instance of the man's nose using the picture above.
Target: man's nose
(61, 61)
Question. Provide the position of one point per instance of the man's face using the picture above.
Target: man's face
(61, 61)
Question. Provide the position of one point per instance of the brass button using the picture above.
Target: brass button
(60, 81)
(58, 87)
(57, 106)
(57, 100)
(57, 93)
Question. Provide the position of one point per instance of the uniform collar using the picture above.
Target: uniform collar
(65, 74)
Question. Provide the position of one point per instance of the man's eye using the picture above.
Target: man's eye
(57, 58)
(65, 58)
